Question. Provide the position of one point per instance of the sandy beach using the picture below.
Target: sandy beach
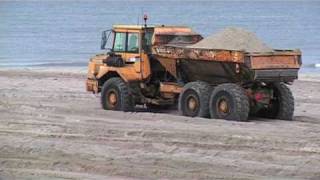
(51, 128)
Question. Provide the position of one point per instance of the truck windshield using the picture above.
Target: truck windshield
(105, 40)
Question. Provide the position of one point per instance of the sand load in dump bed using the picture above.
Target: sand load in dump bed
(233, 38)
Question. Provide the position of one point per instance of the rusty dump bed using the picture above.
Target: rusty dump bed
(281, 65)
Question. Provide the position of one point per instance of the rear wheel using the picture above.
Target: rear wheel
(229, 101)
(281, 105)
(194, 99)
(115, 95)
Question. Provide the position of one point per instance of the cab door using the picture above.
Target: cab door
(128, 45)
(119, 44)
(133, 54)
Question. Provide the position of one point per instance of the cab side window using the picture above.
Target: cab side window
(147, 41)
(120, 42)
(126, 42)
(133, 43)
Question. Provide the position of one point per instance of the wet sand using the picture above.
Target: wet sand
(51, 128)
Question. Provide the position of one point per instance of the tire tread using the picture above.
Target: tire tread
(203, 90)
(126, 100)
(287, 102)
(241, 101)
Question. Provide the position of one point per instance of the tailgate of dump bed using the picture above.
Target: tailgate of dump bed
(278, 65)
(279, 59)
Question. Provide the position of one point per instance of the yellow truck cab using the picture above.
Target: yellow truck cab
(130, 60)
(133, 64)
(133, 44)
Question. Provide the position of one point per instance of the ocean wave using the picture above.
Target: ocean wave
(45, 64)
(63, 64)
(314, 65)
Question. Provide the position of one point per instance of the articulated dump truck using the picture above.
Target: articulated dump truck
(162, 66)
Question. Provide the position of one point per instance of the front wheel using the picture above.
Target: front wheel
(115, 95)
(229, 101)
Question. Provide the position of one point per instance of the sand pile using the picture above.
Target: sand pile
(233, 39)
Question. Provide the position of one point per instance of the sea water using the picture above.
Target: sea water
(46, 33)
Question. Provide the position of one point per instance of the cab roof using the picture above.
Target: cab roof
(122, 26)
(125, 26)
(160, 29)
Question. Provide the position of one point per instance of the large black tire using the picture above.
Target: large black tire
(229, 101)
(194, 99)
(115, 95)
(282, 105)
